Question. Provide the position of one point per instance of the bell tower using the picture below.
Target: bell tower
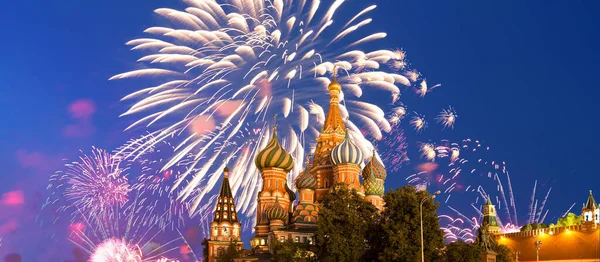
(225, 227)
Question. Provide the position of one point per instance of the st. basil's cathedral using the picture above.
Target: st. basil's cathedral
(336, 160)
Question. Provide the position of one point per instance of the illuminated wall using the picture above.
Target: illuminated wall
(564, 243)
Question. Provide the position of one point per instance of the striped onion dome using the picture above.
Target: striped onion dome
(372, 186)
(274, 156)
(375, 167)
(276, 212)
(306, 180)
(347, 152)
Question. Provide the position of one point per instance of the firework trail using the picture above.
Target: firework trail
(155, 185)
(122, 234)
(226, 67)
(466, 173)
(395, 148)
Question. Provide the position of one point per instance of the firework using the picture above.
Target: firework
(155, 185)
(466, 173)
(94, 183)
(121, 234)
(447, 117)
(228, 67)
(394, 154)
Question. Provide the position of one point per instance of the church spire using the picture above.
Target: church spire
(334, 121)
(591, 203)
(225, 210)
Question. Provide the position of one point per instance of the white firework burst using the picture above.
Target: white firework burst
(225, 69)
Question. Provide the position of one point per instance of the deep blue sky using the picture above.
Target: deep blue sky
(521, 75)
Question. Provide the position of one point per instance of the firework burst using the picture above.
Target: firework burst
(94, 183)
(230, 66)
(122, 234)
(467, 173)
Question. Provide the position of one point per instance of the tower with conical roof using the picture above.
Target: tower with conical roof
(332, 134)
(489, 217)
(274, 163)
(590, 211)
(225, 227)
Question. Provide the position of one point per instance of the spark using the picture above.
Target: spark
(226, 67)
(447, 117)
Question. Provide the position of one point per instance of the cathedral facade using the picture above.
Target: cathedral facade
(281, 214)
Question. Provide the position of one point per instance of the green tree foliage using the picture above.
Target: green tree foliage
(504, 254)
(569, 220)
(205, 249)
(292, 252)
(344, 221)
(401, 227)
(463, 252)
(232, 252)
(533, 226)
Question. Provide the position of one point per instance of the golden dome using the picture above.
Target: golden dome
(274, 156)
(334, 85)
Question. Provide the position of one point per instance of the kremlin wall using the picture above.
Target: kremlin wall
(568, 243)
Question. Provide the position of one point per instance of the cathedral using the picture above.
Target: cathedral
(281, 214)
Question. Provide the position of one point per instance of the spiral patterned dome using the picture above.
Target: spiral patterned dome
(274, 156)
(276, 212)
(375, 167)
(347, 152)
(372, 186)
(306, 180)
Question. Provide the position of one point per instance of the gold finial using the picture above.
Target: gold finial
(334, 85)
(334, 73)
(274, 122)
(226, 172)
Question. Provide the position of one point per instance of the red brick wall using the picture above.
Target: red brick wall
(557, 244)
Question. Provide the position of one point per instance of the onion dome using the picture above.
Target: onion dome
(334, 85)
(347, 152)
(375, 167)
(306, 181)
(372, 186)
(276, 212)
(274, 156)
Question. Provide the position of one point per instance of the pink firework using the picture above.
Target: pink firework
(394, 156)
(116, 250)
(96, 182)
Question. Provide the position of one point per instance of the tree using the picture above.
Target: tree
(292, 252)
(569, 220)
(504, 254)
(401, 227)
(463, 252)
(533, 226)
(344, 220)
(231, 252)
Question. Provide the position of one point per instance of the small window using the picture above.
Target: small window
(282, 238)
(304, 239)
(297, 239)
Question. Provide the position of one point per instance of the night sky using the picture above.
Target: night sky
(520, 74)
